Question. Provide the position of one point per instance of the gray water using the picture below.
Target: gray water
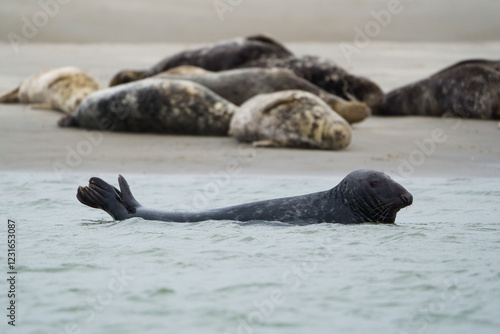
(436, 271)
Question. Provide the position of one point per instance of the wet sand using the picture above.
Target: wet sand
(31, 140)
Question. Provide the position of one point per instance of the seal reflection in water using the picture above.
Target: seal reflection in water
(155, 105)
(468, 89)
(363, 196)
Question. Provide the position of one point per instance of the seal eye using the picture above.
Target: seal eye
(373, 183)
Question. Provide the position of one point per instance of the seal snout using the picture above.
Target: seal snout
(407, 199)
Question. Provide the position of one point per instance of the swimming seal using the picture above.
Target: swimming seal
(325, 74)
(468, 89)
(363, 196)
(155, 105)
(60, 89)
(216, 57)
(290, 118)
(239, 85)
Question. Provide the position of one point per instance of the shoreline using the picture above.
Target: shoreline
(33, 142)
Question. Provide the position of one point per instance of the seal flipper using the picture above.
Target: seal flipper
(101, 195)
(42, 106)
(126, 195)
(67, 122)
(11, 96)
(265, 143)
(268, 40)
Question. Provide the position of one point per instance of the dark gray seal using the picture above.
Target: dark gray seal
(468, 89)
(239, 85)
(363, 196)
(215, 57)
(155, 105)
(290, 118)
(325, 74)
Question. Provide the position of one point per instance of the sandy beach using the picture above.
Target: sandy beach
(402, 146)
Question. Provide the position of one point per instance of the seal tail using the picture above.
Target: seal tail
(11, 96)
(120, 204)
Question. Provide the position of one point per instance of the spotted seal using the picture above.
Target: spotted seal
(290, 118)
(215, 57)
(327, 75)
(155, 105)
(363, 196)
(60, 89)
(468, 89)
(239, 85)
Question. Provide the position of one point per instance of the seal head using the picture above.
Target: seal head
(372, 196)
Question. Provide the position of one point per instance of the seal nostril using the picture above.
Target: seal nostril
(407, 198)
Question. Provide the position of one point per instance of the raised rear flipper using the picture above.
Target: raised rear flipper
(120, 204)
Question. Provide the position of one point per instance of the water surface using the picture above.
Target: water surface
(436, 271)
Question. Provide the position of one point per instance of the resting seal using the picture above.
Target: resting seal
(291, 118)
(61, 89)
(216, 57)
(468, 89)
(363, 196)
(155, 105)
(239, 85)
(327, 75)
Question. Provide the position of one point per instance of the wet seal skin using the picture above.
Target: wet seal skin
(239, 85)
(61, 89)
(215, 57)
(157, 106)
(468, 89)
(290, 118)
(363, 196)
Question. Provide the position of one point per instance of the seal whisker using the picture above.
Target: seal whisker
(380, 207)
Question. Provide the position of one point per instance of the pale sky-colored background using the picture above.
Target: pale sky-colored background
(195, 21)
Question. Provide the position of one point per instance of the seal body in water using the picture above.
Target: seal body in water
(216, 57)
(61, 89)
(325, 74)
(239, 85)
(155, 105)
(291, 118)
(363, 196)
(468, 89)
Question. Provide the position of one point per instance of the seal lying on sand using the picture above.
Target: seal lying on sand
(216, 57)
(327, 75)
(239, 85)
(363, 196)
(61, 89)
(291, 118)
(468, 89)
(155, 105)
